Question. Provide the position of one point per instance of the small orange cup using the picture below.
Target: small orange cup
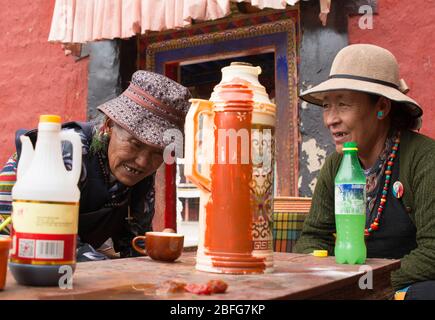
(162, 246)
(5, 245)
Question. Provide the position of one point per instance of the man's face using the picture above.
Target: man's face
(351, 116)
(131, 160)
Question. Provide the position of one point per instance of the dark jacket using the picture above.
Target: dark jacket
(104, 207)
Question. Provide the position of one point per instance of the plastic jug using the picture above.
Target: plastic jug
(45, 207)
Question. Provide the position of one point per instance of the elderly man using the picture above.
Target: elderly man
(120, 158)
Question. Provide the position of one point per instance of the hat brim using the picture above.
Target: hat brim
(316, 94)
(138, 121)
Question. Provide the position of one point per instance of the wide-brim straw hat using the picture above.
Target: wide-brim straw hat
(365, 68)
(151, 105)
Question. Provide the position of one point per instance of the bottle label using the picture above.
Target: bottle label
(44, 232)
(350, 199)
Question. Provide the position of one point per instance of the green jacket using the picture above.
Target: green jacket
(417, 174)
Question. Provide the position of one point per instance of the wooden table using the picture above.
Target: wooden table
(296, 276)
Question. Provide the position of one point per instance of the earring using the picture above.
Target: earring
(104, 134)
(380, 114)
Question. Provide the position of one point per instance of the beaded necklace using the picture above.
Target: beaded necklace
(103, 168)
(118, 199)
(388, 171)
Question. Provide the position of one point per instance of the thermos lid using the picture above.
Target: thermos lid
(49, 118)
(239, 63)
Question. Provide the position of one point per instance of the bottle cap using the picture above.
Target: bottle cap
(49, 118)
(320, 253)
(350, 146)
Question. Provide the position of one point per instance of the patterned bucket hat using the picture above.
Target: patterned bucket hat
(150, 105)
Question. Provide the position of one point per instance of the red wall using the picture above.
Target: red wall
(35, 76)
(407, 29)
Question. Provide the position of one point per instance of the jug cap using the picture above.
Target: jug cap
(49, 118)
(320, 253)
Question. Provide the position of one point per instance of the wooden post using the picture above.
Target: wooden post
(186, 209)
(170, 196)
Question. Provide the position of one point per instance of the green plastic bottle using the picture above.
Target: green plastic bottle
(350, 208)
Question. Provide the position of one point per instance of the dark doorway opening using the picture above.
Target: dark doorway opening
(201, 77)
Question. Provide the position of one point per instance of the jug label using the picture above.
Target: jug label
(44, 232)
(45, 217)
(350, 198)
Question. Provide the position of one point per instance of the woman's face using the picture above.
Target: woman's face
(351, 116)
(130, 160)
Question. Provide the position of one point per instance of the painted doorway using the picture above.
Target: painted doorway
(196, 62)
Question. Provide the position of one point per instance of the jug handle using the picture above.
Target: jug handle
(26, 156)
(197, 108)
(74, 138)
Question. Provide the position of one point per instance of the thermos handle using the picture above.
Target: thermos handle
(76, 142)
(198, 107)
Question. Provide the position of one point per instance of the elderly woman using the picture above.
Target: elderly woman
(120, 157)
(364, 101)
